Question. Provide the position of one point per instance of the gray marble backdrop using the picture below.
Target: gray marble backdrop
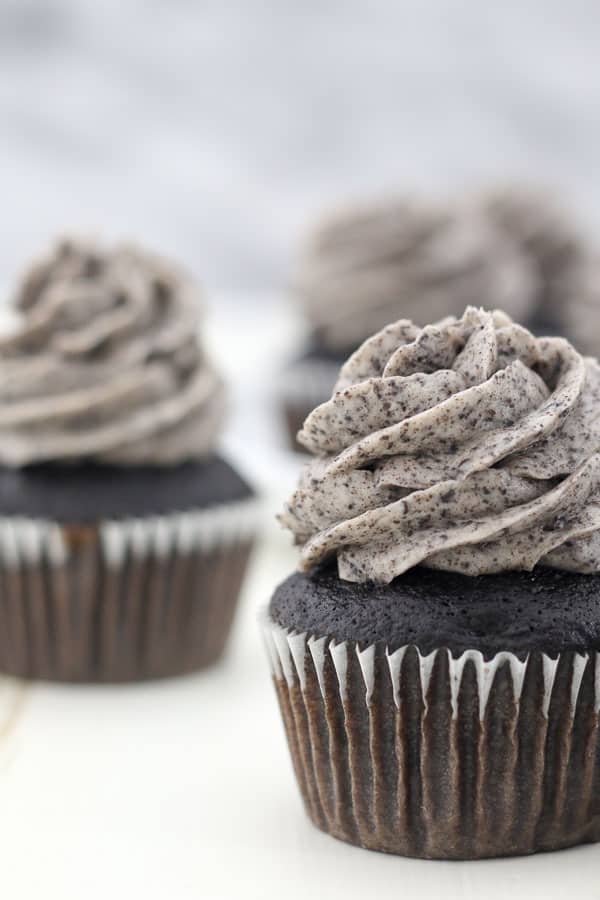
(216, 130)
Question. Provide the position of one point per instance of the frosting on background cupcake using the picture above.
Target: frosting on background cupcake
(469, 446)
(107, 364)
(370, 264)
(514, 248)
(124, 535)
(555, 247)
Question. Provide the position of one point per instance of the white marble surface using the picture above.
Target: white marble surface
(184, 789)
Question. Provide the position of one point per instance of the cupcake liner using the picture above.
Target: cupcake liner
(120, 600)
(441, 757)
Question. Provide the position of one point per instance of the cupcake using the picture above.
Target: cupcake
(556, 248)
(581, 304)
(437, 656)
(370, 264)
(124, 536)
(516, 246)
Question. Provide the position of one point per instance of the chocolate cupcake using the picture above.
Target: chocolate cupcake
(516, 246)
(371, 264)
(557, 250)
(564, 262)
(123, 535)
(437, 658)
(581, 305)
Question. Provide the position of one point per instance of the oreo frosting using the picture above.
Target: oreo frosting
(372, 263)
(469, 446)
(106, 365)
(518, 247)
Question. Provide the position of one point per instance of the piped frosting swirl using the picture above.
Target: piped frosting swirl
(107, 363)
(468, 446)
(372, 263)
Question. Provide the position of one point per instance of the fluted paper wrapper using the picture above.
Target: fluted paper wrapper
(121, 600)
(441, 757)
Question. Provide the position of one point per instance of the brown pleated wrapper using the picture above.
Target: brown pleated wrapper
(120, 601)
(441, 757)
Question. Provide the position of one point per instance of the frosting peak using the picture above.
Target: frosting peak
(107, 364)
(469, 446)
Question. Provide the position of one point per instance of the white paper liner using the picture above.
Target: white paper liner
(31, 541)
(186, 532)
(121, 601)
(432, 756)
(288, 657)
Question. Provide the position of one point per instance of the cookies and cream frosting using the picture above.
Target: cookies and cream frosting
(581, 304)
(106, 364)
(467, 446)
(370, 264)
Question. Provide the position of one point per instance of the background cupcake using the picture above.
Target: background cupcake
(376, 262)
(563, 259)
(372, 264)
(123, 536)
(437, 658)
(555, 247)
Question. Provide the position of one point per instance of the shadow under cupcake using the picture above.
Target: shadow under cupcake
(437, 658)
(124, 537)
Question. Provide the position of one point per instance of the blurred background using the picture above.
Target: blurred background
(216, 132)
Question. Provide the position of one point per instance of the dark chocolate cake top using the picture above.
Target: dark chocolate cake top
(82, 493)
(563, 260)
(519, 612)
(467, 446)
(106, 365)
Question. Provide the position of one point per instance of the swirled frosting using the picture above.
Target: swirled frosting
(469, 446)
(548, 236)
(581, 304)
(370, 264)
(567, 266)
(106, 364)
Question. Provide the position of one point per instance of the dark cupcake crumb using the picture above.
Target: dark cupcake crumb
(544, 610)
